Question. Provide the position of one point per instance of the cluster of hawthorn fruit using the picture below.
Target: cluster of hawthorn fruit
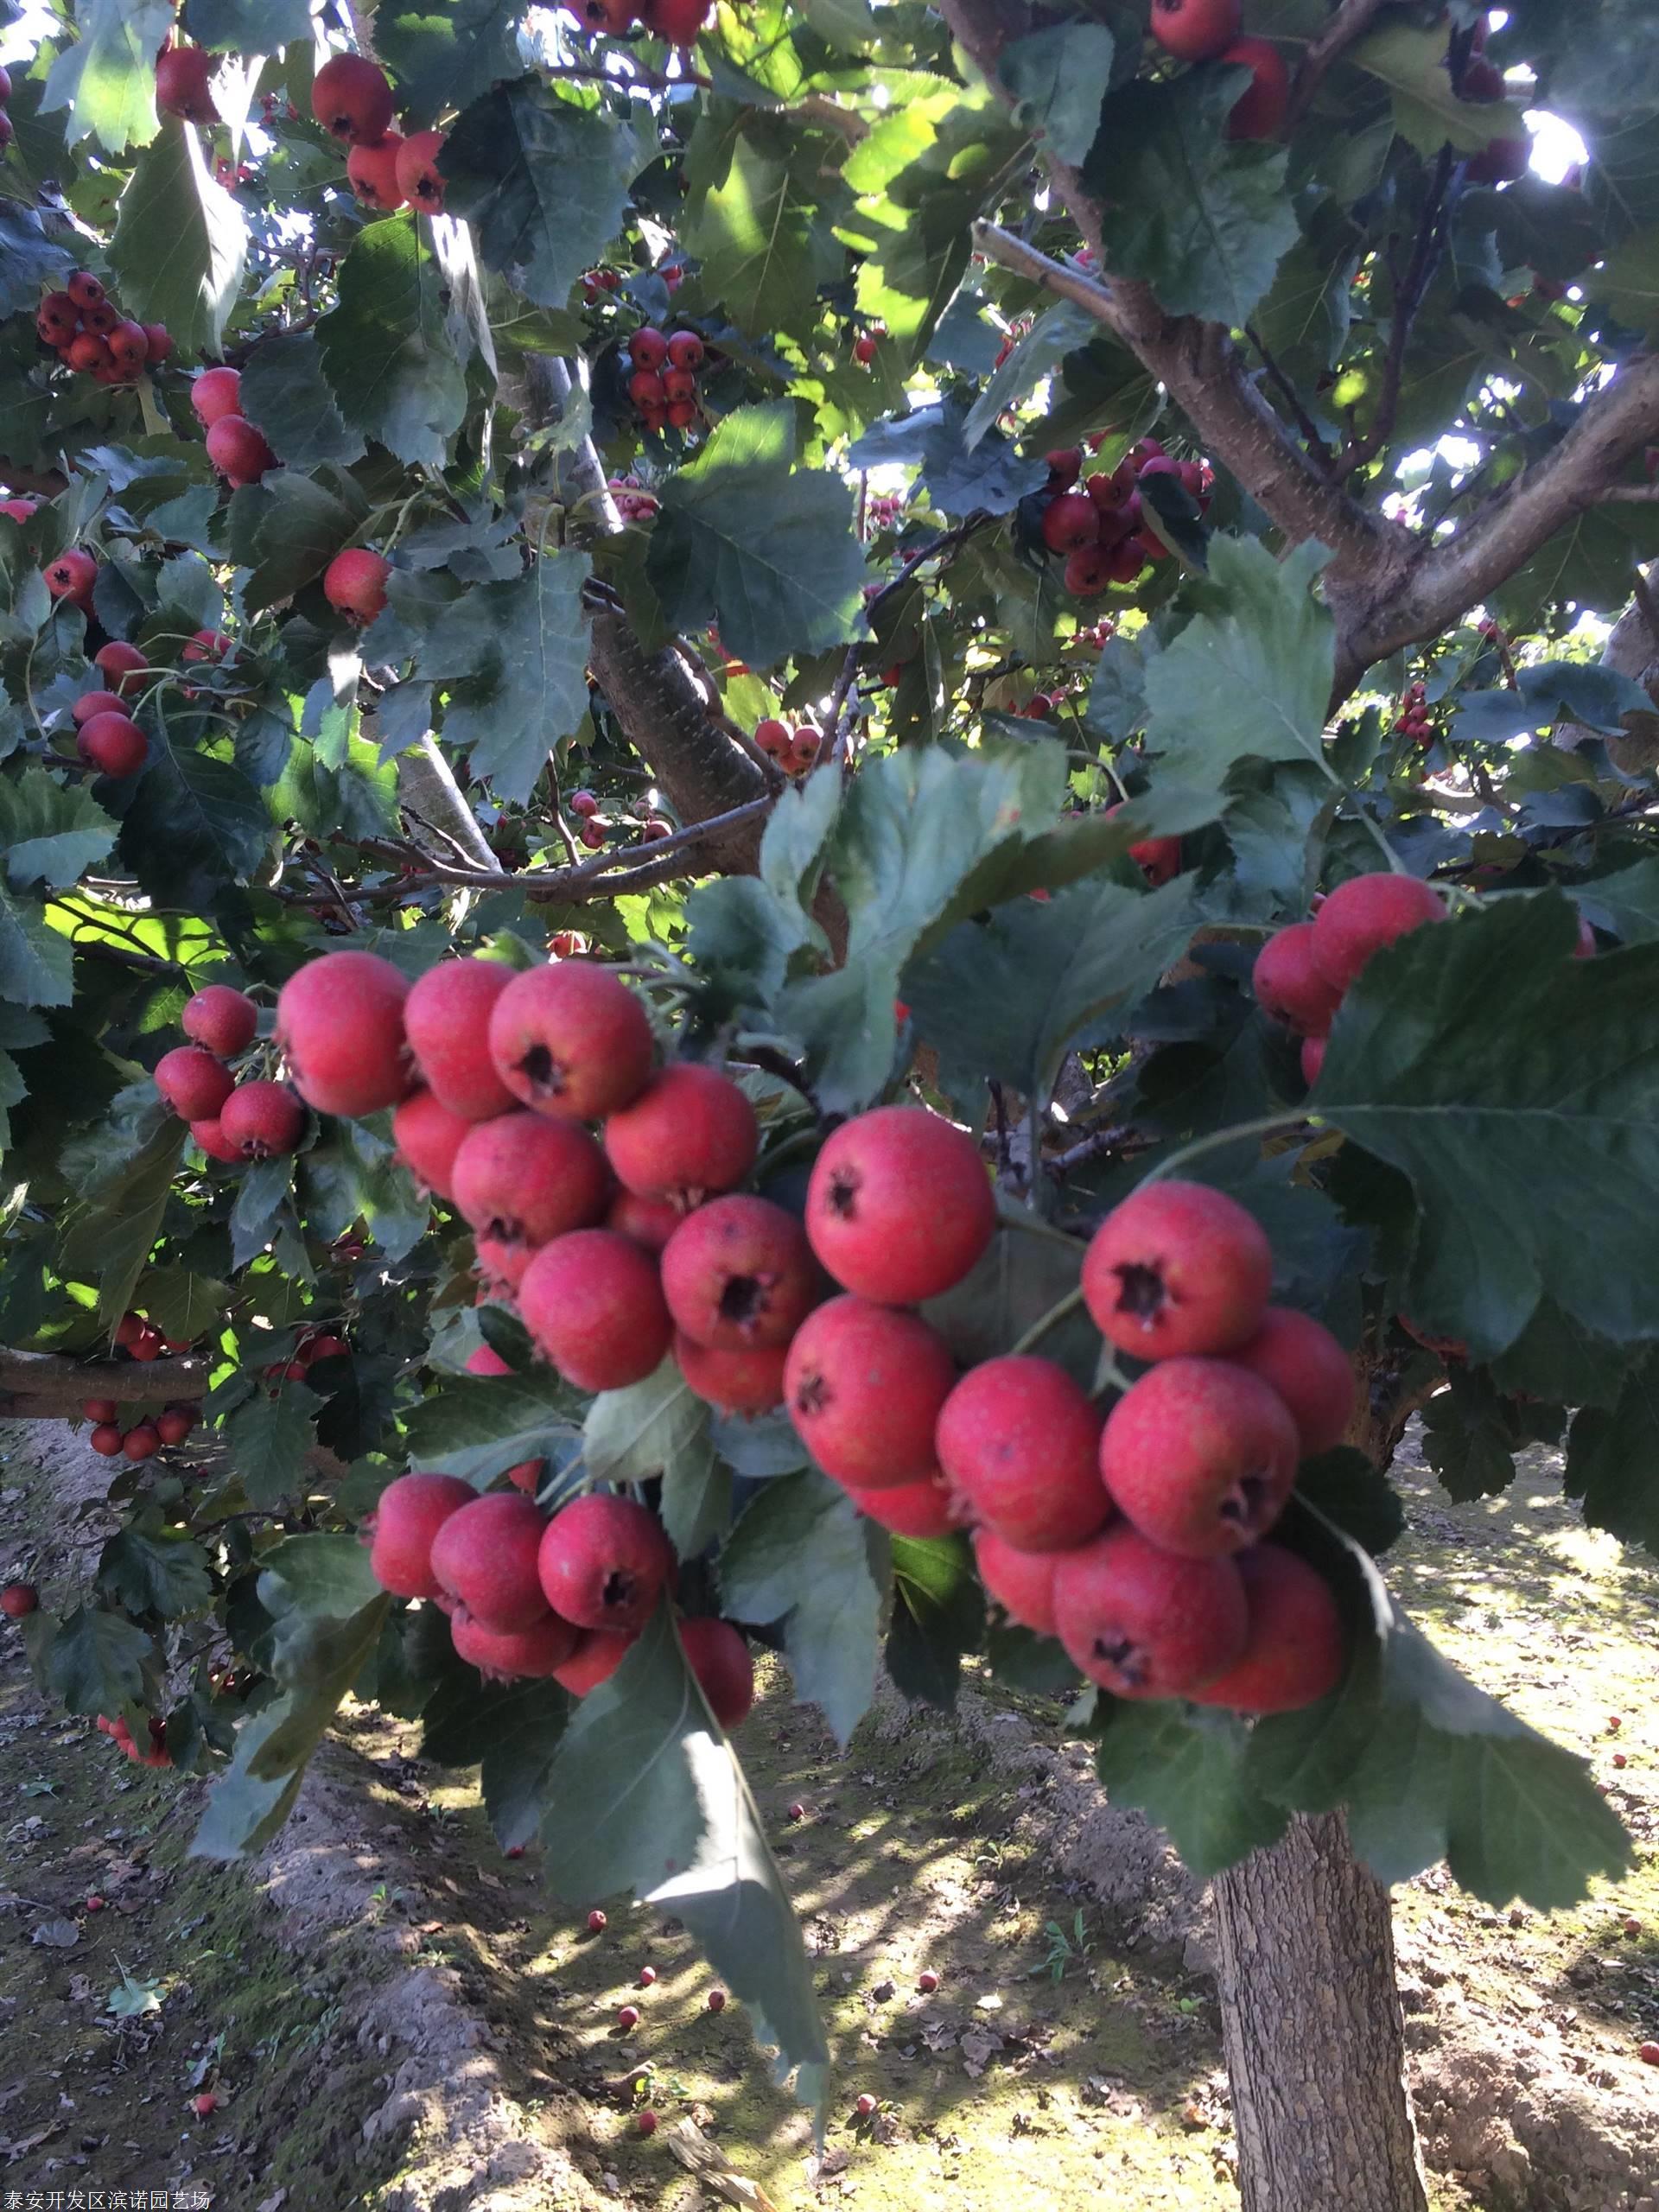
(794, 750)
(663, 384)
(256, 1119)
(1099, 525)
(1414, 720)
(1303, 972)
(142, 1339)
(88, 333)
(593, 829)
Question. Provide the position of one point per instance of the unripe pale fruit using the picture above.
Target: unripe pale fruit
(181, 83)
(720, 1659)
(484, 1557)
(405, 1523)
(428, 1137)
(19, 1600)
(220, 1019)
(262, 1121)
(922, 1509)
(594, 1659)
(372, 172)
(72, 576)
(339, 1021)
(193, 1083)
(447, 1021)
(650, 1221)
(1194, 30)
(215, 394)
(690, 1132)
(739, 1274)
(1178, 1267)
(1018, 1443)
(1298, 1357)
(238, 451)
(1143, 1624)
(527, 1654)
(123, 664)
(604, 1562)
(351, 99)
(140, 1443)
(864, 1385)
(1259, 111)
(113, 743)
(748, 1382)
(419, 178)
(105, 1439)
(1289, 984)
(900, 1206)
(571, 1040)
(354, 582)
(522, 1180)
(1022, 1583)
(1070, 523)
(593, 1302)
(1201, 1456)
(1365, 913)
(1294, 1650)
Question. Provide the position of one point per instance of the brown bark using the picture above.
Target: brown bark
(46, 1386)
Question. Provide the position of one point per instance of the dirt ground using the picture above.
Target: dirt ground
(389, 2017)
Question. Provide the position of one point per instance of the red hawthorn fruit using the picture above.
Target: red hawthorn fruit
(772, 736)
(720, 1659)
(220, 1019)
(739, 1274)
(1294, 1652)
(1089, 571)
(584, 803)
(447, 1021)
(1504, 160)
(745, 1382)
(1200, 1455)
(339, 1022)
(263, 1121)
(19, 1600)
(681, 414)
(645, 2123)
(143, 1442)
(1289, 985)
(570, 1039)
(1313, 1059)
(213, 1141)
(530, 1654)
(1178, 1268)
(181, 83)
(502, 1265)
(1158, 859)
(101, 320)
(95, 1903)
(403, 1526)
(173, 1426)
(129, 1329)
(484, 1557)
(677, 21)
(326, 1346)
(87, 353)
(595, 1659)
(646, 389)
(796, 1812)
(372, 172)
(147, 1344)
(716, 2000)
(215, 394)
(927, 1981)
(105, 1439)
(207, 2103)
(650, 1221)
(129, 348)
(527, 1477)
(351, 99)
(900, 1207)
(604, 1563)
(921, 1510)
(524, 1179)
(486, 1362)
(1481, 81)
(685, 350)
(354, 583)
(98, 1408)
(1300, 1359)
(690, 1132)
(1021, 1582)
(1195, 30)
(238, 451)
(866, 2106)
(95, 703)
(593, 1302)
(113, 744)
(1018, 1443)
(1144, 1624)
(123, 664)
(592, 834)
(596, 1923)
(647, 348)
(803, 749)
(1365, 913)
(85, 290)
(158, 341)
(628, 2017)
(193, 1083)
(1070, 523)
(428, 1137)
(1065, 465)
(72, 576)
(864, 1384)
(419, 178)
(1649, 2053)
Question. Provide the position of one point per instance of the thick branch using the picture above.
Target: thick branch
(44, 1385)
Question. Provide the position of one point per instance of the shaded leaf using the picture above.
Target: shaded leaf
(1058, 79)
(386, 348)
(285, 394)
(50, 832)
(180, 242)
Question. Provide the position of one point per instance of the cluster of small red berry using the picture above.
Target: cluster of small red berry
(235, 448)
(353, 99)
(595, 831)
(631, 504)
(1302, 973)
(1414, 720)
(315, 1344)
(118, 1732)
(1100, 527)
(89, 333)
(256, 1119)
(663, 384)
(677, 21)
(795, 751)
(145, 1438)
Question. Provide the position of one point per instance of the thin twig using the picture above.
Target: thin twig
(1407, 299)
(1640, 495)
(1346, 28)
(1293, 399)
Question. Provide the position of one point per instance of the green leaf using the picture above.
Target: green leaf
(29, 261)
(1051, 338)
(1628, 280)
(287, 530)
(95, 1663)
(1058, 79)
(443, 54)
(1519, 1091)
(745, 540)
(646, 1794)
(36, 966)
(107, 79)
(1612, 1461)
(195, 825)
(1468, 1438)
(1250, 678)
(247, 26)
(522, 1742)
(1017, 1279)
(938, 1613)
(180, 242)
(1185, 1768)
(183, 1305)
(1412, 64)
(801, 1554)
(754, 186)
(108, 1237)
(1201, 218)
(285, 394)
(477, 1427)
(543, 183)
(984, 476)
(152, 1571)
(658, 1427)
(386, 346)
(50, 832)
(1346, 1488)
(266, 1441)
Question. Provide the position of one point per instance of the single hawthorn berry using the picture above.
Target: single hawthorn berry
(428, 1137)
(532, 1654)
(1144, 1624)
(1195, 30)
(354, 583)
(1018, 1443)
(648, 348)
(1289, 984)
(19, 1600)
(594, 1659)
(604, 1562)
(1178, 1268)
(372, 172)
(690, 1132)
(1070, 523)
(739, 1274)
(1365, 913)
(403, 1526)
(182, 86)
(351, 99)
(593, 1302)
(143, 1442)
(650, 1221)
(123, 664)
(239, 451)
(72, 576)
(1201, 1456)
(105, 1439)
(571, 1040)
(864, 1384)
(1021, 1582)
(746, 1381)
(215, 394)
(720, 1659)
(339, 1022)
(173, 1426)
(1294, 1650)
(484, 1557)
(262, 1121)
(220, 1019)
(447, 1021)
(900, 1206)
(113, 744)
(922, 1509)
(419, 178)
(193, 1083)
(524, 1179)
(1300, 1359)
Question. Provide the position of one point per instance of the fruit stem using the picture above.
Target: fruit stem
(1030, 1224)
(1055, 1314)
(1269, 1124)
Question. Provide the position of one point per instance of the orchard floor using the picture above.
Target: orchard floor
(393, 2018)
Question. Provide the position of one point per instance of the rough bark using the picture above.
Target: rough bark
(45, 1386)
(439, 819)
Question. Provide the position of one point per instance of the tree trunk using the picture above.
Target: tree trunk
(1311, 2029)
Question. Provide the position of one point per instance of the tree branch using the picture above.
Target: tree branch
(45, 1385)
(1408, 297)
(1346, 28)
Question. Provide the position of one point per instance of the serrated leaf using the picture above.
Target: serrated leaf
(183, 1305)
(195, 825)
(1054, 334)
(1612, 1461)
(746, 540)
(247, 26)
(964, 476)
(386, 347)
(95, 1661)
(36, 965)
(658, 1427)
(1467, 1440)
(444, 52)
(266, 1441)
(287, 530)
(755, 183)
(938, 1613)
(1411, 62)
(1019, 1278)
(522, 1742)
(50, 832)
(108, 1238)
(1185, 1768)
(153, 1571)
(1347, 1489)
(29, 261)
(285, 394)
(801, 1554)
(105, 79)
(180, 242)
(1058, 79)
(476, 1427)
